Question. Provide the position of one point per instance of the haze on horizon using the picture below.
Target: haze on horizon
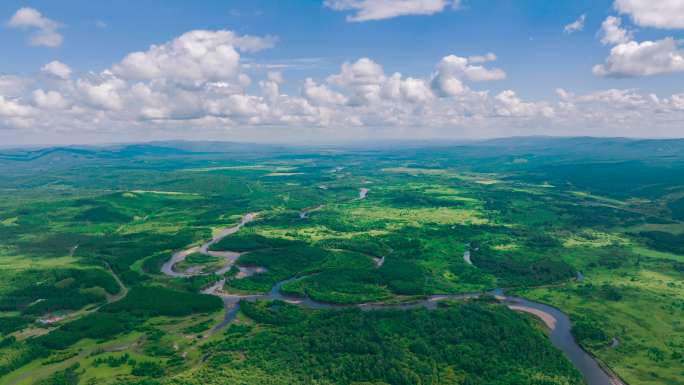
(339, 70)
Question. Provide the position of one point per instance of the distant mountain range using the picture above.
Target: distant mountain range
(573, 147)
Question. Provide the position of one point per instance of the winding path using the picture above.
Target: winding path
(305, 213)
(123, 290)
(556, 321)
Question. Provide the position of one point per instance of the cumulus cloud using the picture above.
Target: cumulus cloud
(614, 98)
(621, 111)
(366, 82)
(508, 104)
(45, 31)
(366, 10)
(613, 33)
(653, 13)
(13, 85)
(630, 58)
(197, 82)
(50, 100)
(321, 94)
(414, 90)
(677, 101)
(57, 69)
(102, 91)
(453, 70)
(16, 114)
(479, 59)
(364, 78)
(645, 58)
(270, 87)
(196, 56)
(575, 26)
(14, 108)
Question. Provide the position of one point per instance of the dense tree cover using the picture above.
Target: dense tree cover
(664, 241)
(199, 259)
(112, 361)
(518, 272)
(18, 353)
(122, 251)
(155, 301)
(201, 263)
(101, 214)
(605, 292)
(470, 343)
(600, 216)
(125, 315)
(362, 243)
(100, 326)
(340, 286)
(412, 199)
(68, 376)
(11, 324)
(616, 178)
(588, 332)
(147, 369)
(677, 209)
(198, 282)
(248, 241)
(152, 265)
(281, 264)
(41, 291)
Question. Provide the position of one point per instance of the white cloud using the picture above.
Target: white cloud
(453, 70)
(623, 112)
(368, 84)
(508, 104)
(362, 72)
(363, 77)
(57, 69)
(653, 13)
(50, 100)
(321, 94)
(366, 10)
(645, 58)
(183, 85)
(13, 108)
(479, 59)
(270, 87)
(45, 30)
(612, 32)
(415, 90)
(102, 91)
(13, 85)
(196, 81)
(575, 26)
(195, 57)
(677, 101)
(612, 98)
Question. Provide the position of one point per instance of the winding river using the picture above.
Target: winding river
(557, 322)
(230, 256)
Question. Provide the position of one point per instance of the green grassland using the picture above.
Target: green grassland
(70, 228)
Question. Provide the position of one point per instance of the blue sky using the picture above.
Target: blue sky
(314, 38)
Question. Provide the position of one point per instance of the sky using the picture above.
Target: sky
(303, 71)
